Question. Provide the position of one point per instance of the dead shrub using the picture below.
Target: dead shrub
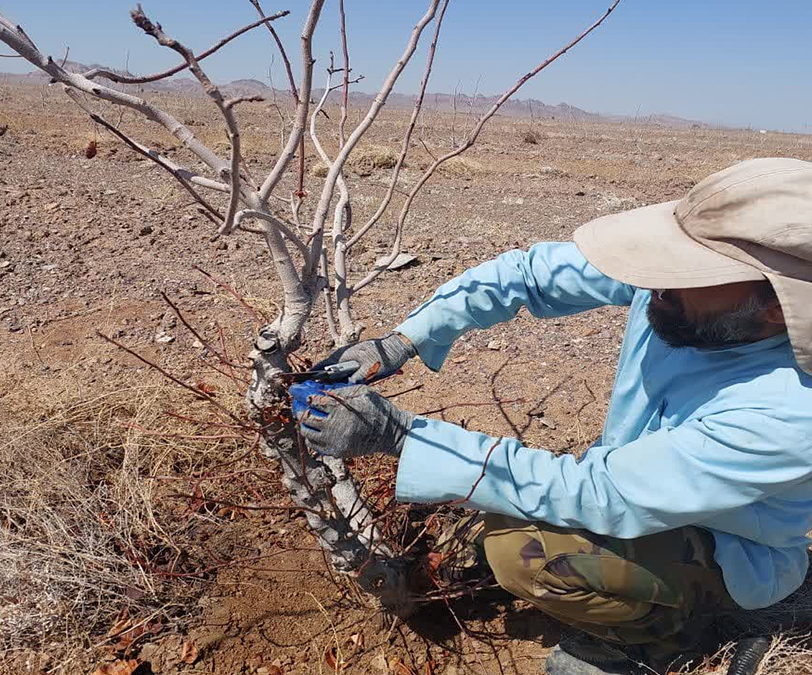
(460, 167)
(319, 170)
(366, 160)
(530, 137)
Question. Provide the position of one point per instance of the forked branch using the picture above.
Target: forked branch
(470, 139)
(128, 79)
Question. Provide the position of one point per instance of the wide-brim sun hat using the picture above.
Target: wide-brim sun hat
(748, 222)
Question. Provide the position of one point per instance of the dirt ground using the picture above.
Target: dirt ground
(89, 244)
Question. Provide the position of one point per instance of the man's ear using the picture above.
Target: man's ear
(774, 315)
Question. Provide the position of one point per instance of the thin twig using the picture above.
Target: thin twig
(163, 162)
(470, 405)
(194, 332)
(382, 265)
(124, 79)
(254, 312)
(197, 392)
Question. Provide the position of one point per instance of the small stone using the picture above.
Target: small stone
(197, 344)
(164, 338)
(495, 345)
(145, 230)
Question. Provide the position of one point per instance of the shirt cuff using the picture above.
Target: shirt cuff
(433, 355)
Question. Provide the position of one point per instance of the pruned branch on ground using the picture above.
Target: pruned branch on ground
(309, 260)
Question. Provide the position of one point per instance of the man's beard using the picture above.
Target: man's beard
(722, 329)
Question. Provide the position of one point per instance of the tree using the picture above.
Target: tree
(295, 240)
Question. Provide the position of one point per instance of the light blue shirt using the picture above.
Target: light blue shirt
(720, 439)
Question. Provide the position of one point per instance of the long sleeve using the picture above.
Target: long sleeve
(675, 476)
(550, 279)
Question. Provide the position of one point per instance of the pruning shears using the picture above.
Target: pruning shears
(333, 373)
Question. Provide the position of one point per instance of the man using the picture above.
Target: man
(697, 498)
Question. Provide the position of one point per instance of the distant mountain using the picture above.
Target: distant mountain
(526, 108)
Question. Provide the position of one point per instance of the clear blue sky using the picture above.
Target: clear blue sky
(741, 62)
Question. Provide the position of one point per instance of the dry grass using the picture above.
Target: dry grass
(460, 167)
(87, 528)
(365, 160)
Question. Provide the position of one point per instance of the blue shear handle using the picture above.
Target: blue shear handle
(299, 394)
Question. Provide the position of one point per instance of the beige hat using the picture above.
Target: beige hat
(750, 221)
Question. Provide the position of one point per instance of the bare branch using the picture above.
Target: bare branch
(360, 130)
(225, 107)
(16, 38)
(302, 107)
(328, 298)
(404, 150)
(275, 222)
(10, 56)
(125, 79)
(197, 392)
(294, 92)
(183, 176)
(346, 84)
(232, 102)
(469, 141)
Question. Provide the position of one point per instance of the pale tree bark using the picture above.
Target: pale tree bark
(320, 485)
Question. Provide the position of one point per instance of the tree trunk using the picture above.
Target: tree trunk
(324, 488)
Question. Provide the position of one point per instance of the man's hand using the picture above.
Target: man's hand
(379, 358)
(354, 421)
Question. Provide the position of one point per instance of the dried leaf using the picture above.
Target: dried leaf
(209, 389)
(434, 559)
(90, 150)
(189, 652)
(123, 624)
(198, 502)
(332, 660)
(397, 666)
(120, 667)
(357, 640)
(373, 370)
(275, 670)
(430, 666)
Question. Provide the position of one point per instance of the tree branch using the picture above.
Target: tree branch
(332, 175)
(225, 107)
(469, 141)
(126, 79)
(404, 150)
(346, 79)
(16, 38)
(275, 222)
(302, 107)
(183, 176)
(343, 206)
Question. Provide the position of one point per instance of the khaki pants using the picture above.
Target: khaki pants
(660, 590)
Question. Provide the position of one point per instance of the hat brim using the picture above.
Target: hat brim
(647, 248)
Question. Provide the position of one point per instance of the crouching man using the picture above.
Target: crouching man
(698, 495)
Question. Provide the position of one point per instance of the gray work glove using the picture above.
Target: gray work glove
(354, 421)
(391, 352)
